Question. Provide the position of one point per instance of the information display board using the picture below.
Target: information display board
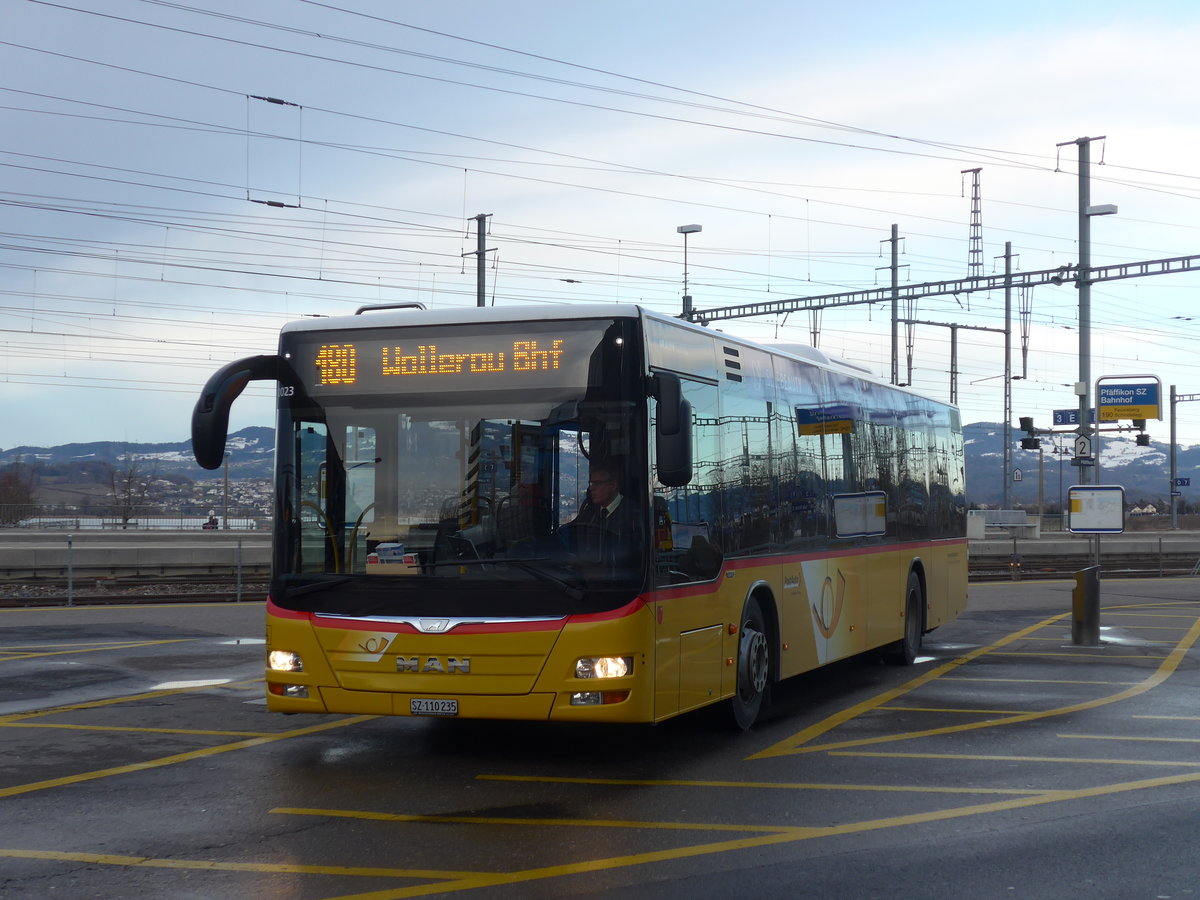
(1096, 509)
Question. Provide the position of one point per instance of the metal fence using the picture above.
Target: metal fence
(39, 517)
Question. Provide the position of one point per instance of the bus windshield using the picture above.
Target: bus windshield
(442, 471)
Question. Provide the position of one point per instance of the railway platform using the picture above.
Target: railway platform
(28, 554)
(1059, 553)
(121, 554)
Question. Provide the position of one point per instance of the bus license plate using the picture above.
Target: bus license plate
(420, 707)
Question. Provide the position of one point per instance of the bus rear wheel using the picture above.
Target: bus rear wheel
(753, 666)
(904, 651)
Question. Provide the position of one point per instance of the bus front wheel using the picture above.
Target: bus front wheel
(753, 666)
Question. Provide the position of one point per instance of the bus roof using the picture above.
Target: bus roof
(400, 315)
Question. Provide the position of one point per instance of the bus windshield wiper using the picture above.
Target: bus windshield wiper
(524, 565)
(315, 586)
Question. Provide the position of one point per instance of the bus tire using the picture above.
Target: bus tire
(904, 651)
(753, 666)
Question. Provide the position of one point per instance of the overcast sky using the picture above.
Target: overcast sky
(138, 157)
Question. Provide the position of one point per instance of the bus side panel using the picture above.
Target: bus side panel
(799, 638)
(946, 597)
(887, 608)
(691, 645)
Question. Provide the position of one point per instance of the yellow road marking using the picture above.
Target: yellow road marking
(979, 757)
(1104, 656)
(783, 835)
(116, 701)
(130, 728)
(1035, 680)
(1141, 642)
(799, 743)
(1122, 737)
(766, 785)
(21, 648)
(512, 820)
(445, 881)
(111, 859)
(177, 758)
(129, 645)
(795, 742)
(946, 709)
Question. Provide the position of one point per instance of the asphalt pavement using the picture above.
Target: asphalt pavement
(137, 760)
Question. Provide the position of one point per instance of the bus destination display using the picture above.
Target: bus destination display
(448, 362)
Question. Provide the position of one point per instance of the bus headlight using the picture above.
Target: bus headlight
(284, 661)
(604, 667)
(298, 691)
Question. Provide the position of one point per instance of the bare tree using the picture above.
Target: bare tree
(132, 483)
(17, 483)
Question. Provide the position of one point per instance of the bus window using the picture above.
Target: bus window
(687, 546)
(750, 488)
(800, 426)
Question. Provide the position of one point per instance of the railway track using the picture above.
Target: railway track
(1117, 565)
(143, 589)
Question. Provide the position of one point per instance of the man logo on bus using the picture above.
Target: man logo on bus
(434, 665)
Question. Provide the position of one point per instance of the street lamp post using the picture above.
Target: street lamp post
(685, 230)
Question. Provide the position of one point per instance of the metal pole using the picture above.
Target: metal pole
(1041, 482)
(480, 249)
(685, 230)
(238, 558)
(687, 298)
(1171, 485)
(1007, 499)
(685, 257)
(1083, 282)
(70, 570)
(954, 378)
(895, 304)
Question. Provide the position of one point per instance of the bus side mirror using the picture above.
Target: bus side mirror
(210, 417)
(673, 432)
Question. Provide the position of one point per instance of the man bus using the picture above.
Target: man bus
(784, 510)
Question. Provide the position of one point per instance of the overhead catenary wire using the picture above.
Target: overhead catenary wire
(348, 274)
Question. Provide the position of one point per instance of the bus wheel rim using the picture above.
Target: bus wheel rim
(754, 661)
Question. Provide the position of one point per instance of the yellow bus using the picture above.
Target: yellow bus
(593, 513)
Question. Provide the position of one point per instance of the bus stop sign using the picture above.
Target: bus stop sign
(1128, 401)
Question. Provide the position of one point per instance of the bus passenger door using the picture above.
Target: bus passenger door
(691, 621)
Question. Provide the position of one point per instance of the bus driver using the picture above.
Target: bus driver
(607, 529)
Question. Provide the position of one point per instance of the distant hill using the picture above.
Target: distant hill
(1142, 471)
(251, 456)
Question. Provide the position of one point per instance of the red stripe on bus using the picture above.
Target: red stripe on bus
(274, 609)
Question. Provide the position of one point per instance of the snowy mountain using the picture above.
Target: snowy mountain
(1144, 472)
(251, 456)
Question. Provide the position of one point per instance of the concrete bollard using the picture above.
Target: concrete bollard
(1085, 608)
